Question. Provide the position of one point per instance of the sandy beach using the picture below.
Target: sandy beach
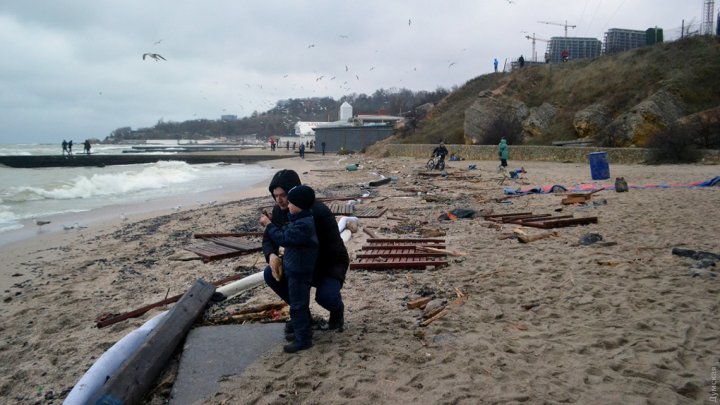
(622, 320)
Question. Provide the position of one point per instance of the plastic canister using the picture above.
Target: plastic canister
(599, 167)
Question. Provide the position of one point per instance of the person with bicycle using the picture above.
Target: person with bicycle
(440, 151)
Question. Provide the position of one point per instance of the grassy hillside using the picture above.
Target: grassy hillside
(689, 69)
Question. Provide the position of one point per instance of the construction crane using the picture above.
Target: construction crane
(534, 38)
(566, 25)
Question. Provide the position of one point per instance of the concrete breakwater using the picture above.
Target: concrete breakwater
(35, 161)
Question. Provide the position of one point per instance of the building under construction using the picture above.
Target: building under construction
(578, 48)
(621, 40)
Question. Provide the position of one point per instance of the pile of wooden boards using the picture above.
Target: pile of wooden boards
(544, 221)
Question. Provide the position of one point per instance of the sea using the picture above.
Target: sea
(73, 198)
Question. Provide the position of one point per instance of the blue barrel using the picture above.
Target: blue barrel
(599, 168)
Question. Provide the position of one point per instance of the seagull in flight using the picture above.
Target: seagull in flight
(155, 56)
(311, 46)
(451, 64)
(158, 42)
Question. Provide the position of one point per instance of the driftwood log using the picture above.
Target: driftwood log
(137, 375)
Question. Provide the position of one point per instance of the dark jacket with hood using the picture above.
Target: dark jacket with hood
(299, 240)
(332, 260)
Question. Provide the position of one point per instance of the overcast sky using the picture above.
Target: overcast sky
(73, 69)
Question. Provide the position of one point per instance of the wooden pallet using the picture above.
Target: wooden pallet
(545, 221)
(219, 246)
(399, 254)
(369, 212)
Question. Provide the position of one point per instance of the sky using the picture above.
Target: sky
(74, 69)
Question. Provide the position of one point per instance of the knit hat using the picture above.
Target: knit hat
(302, 197)
(285, 179)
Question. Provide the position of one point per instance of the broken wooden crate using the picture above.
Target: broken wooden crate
(217, 246)
(544, 221)
(399, 254)
(579, 198)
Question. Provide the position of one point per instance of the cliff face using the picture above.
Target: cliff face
(615, 100)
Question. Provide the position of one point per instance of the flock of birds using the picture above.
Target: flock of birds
(320, 79)
(40, 223)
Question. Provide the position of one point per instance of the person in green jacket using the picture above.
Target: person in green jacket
(503, 154)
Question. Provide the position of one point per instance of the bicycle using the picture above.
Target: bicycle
(436, 163)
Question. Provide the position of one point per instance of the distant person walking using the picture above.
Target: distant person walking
(287, 145)
(495, 63)
(322, 145)
(521, 61)
(64, 145)
(302, 150)
(87, 146)
(503, 154)
(70, 147)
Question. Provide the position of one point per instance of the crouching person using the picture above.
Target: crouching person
(300, 241)
(332, 260)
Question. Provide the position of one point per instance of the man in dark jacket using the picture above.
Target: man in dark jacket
(332, 262)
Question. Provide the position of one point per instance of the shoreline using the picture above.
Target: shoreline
(112, 217)
(614, 322)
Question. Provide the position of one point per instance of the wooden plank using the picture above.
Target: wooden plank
(395, 253)
(136, 376)
(222, 235)
(523, 221)
(369, 212)
(236, 243)
(396, 263)
(414, 240)
(559, 223)
(113, 319)
(370, 232)
(418, 302)
(397, 246)
(509, 218)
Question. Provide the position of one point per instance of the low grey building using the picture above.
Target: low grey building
(350, 137)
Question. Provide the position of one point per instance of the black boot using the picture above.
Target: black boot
(337, 319)
(290, 331)
(295, 347)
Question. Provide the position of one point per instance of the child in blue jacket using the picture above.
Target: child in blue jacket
(301, 249)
